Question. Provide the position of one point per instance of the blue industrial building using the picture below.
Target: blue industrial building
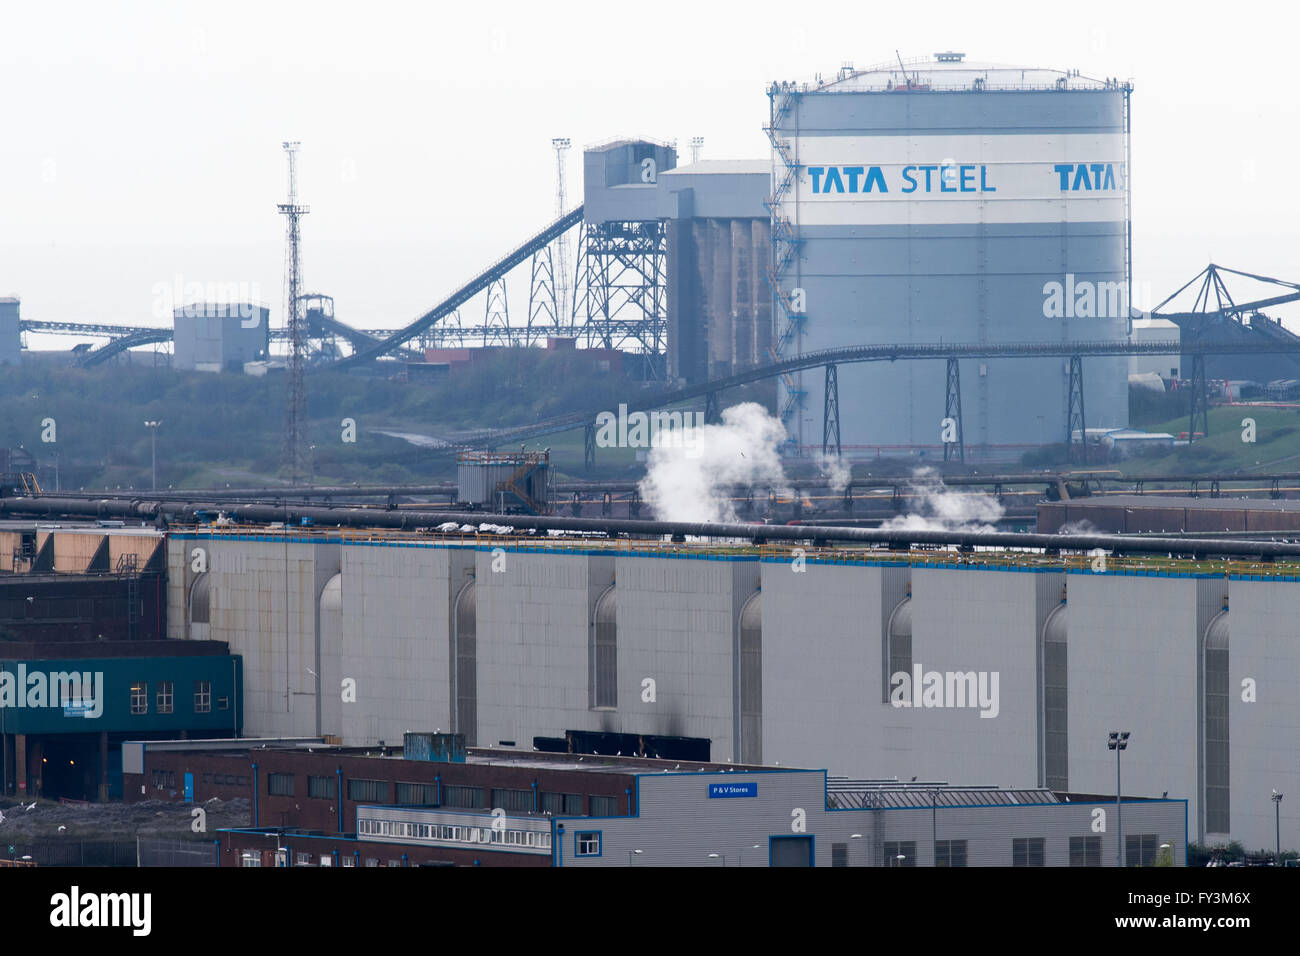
(63, 720)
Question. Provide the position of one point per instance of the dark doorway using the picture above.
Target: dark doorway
(791, 851)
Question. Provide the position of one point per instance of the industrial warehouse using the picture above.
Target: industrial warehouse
(900, 633)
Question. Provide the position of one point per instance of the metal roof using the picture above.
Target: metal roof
(920, 73)
(860, 794)
(725, 167)
(1194, 504)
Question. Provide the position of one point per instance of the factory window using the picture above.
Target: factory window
(604, 651)
(751, 681)
(902, 853)
(563, 804)
(1215, 710)
(1055, 699)
(898, 649)
(321, 788)
(839, 854)
(1085, 851)
(467, 797)
(202, 696)
(368, 791)
(139, 697)
(304, 859)
(250, 858)
(586, 843)
(1140, 849)
(950, 853)
(199, 607)
(348, 861)
(164, 697)
(604, 806)
(279, 784)
(372, 861)
(1028, 851)
(464, 664)
(513, 801)
(417, 794)
(241, 781)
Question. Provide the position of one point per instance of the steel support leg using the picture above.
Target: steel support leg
(1075, 420)
(1200, 400)
(589, 446)
(952, 409)
(831, 413)
(712, 410)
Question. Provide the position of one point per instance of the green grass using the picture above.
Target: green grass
(1276, 446)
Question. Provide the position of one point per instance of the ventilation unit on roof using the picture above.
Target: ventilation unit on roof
(950, 57)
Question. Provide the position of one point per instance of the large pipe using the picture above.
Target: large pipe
(860, 483)
(52, 507)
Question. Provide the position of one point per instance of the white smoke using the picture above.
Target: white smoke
(938, 508)
(1079, 526)
(686, 480)
(835, 470)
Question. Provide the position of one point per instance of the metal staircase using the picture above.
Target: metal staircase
(785, 248)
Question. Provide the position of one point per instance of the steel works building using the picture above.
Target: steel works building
(315, 804)
(1022, 663)
(84, 663)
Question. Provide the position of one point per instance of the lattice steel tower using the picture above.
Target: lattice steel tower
(563, 315)
(295, 324)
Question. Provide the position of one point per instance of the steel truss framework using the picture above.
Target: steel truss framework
(625, 295)
(952, 409)
(1074, 415)
(831, 413)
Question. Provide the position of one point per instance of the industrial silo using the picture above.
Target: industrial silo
(940, 201)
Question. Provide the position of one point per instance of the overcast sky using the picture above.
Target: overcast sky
(141, 141)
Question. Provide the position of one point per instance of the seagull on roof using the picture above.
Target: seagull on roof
(62, 828)
(30, 807)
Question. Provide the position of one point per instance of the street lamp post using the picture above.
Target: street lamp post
(1277, 826)
(718, 856)
(934, 830)
(153, 432)
(1118, 742)
(754, 846)
(630, 854)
